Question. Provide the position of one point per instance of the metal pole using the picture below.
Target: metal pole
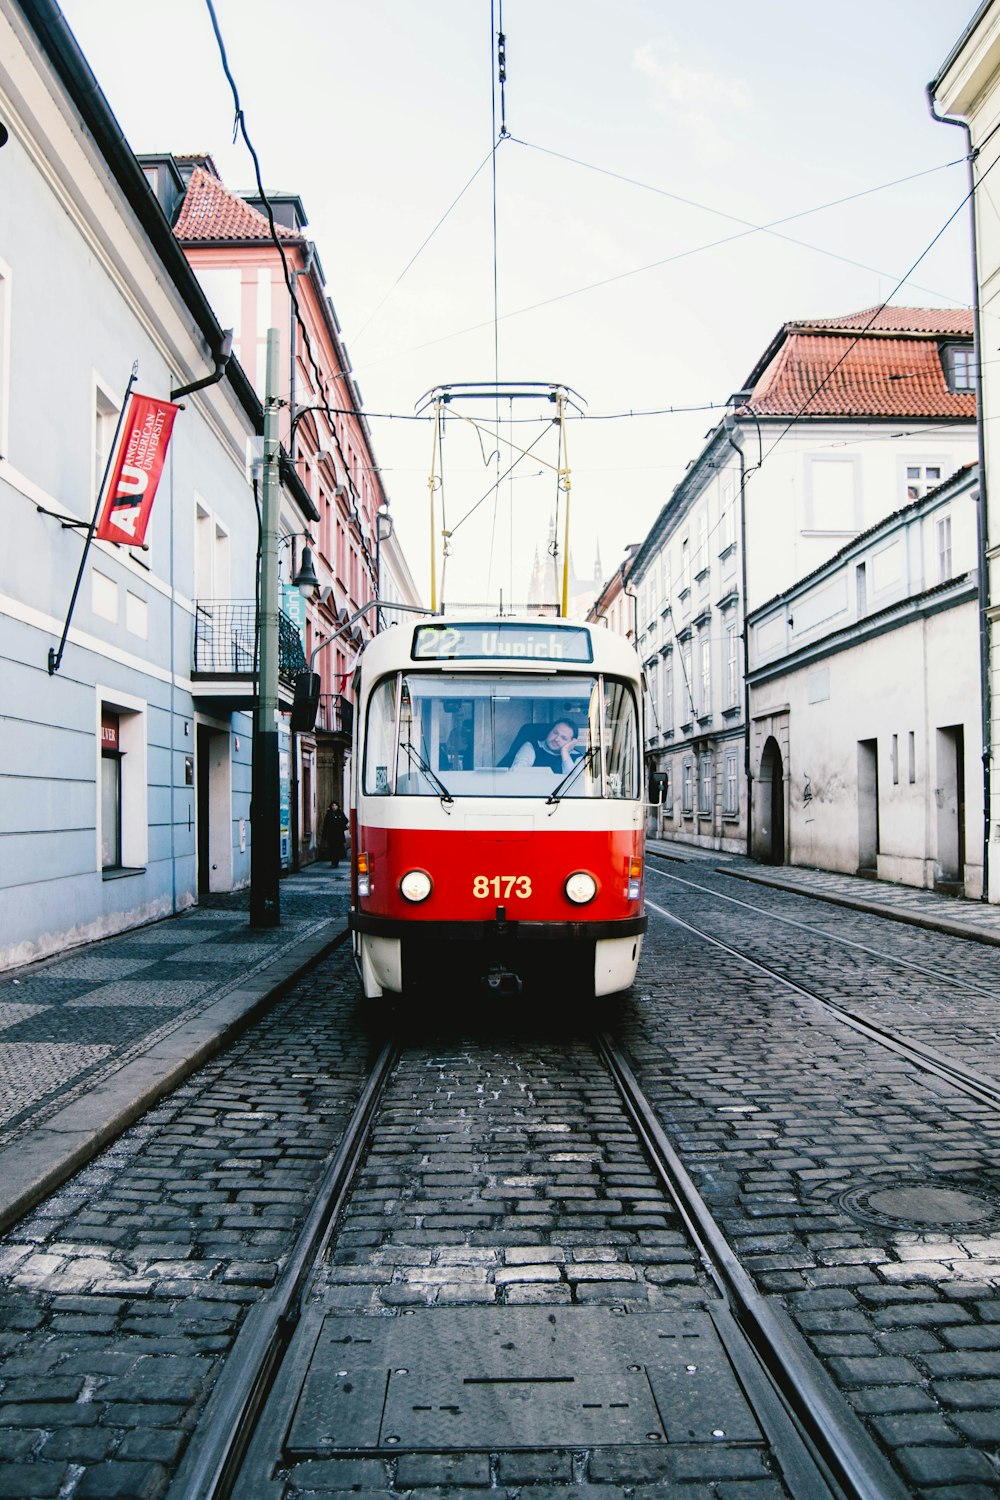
(265, 849)
(564, 483)
(432, 486)
(56, 652)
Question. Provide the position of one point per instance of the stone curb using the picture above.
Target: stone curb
(37, 1163)
(875, 908)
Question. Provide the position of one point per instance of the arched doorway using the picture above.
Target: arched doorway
(771, 785)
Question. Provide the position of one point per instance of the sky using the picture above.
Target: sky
(677, 182)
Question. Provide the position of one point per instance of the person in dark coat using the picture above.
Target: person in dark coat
(334, 829)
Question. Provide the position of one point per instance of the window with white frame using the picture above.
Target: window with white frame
(730, 785)
(688, 709)
(211, 554)
(942, 533)
(959, 363)
(701, 528)
(106, 411)
(732, 664)
(668, 694)
(727, 517)
(920, 478)
(705, 674)
(705, 785)
(687, 786)
(123, 815)
(685, 566)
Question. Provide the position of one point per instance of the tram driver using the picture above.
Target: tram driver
(549, 745)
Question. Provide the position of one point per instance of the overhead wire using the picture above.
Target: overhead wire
(691, 251)
(240, 128)
(356, 336)
(501, 69)
(875, 314)
(770, 228)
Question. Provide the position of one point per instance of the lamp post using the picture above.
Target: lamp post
(265, 824)
(382, 518)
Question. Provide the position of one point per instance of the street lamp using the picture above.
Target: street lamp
(382, 519)
(305, 579)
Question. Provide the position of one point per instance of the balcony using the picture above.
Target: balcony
(335, 715)
(224, 655)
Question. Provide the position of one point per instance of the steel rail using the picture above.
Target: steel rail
(836, 937)
(841, 1447)
(978, 1086)
(210, 1468)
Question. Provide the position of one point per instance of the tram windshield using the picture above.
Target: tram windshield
(438, 734)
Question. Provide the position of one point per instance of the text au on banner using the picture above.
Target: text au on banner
(138, 464)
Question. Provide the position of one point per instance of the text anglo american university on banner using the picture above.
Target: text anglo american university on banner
(138, 465)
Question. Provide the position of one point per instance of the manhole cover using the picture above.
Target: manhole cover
(483, 1378)
(912, 1204)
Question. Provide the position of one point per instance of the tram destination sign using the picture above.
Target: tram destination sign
(500, 640)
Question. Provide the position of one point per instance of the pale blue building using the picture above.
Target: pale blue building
(124, 774)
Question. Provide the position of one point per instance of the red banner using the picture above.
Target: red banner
(135, 475)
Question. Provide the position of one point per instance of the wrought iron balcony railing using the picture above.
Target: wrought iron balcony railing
(224, 637)
(335, 715)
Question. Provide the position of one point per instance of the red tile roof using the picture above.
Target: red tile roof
(939, 321)
(211, 213)
(836, 367)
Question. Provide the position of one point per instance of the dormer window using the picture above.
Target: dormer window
(959, 363)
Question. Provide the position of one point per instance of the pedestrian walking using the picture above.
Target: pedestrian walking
(334, 829)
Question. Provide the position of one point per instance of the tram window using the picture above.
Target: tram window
(380, 737)
(620, 741)
(462, 732)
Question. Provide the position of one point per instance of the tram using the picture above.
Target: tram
(497, 817)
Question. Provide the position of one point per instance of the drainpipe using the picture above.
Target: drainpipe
(729, 422)
(221, 361)
(982, 514)
(293, 757)
(293, 344)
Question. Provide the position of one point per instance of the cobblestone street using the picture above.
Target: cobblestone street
(859, 1190)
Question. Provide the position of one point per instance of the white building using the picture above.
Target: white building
(865, 705)
(967, 93)
(124, 774)
(840, 422)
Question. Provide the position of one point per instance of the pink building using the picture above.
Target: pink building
(228, 241)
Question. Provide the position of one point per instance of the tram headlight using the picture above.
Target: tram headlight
(580, 887)
(415, 885)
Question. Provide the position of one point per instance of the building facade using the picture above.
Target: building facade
(967, 93)
(864, 704)
(125, 773)
(257, 279)
(839, 423)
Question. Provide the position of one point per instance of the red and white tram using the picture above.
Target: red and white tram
(497, 816)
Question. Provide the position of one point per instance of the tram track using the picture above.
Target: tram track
(931, 1060)
(817, 1444)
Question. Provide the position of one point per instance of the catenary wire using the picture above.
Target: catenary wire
(356, 337)
(875, 314)
(240, 128)
(693, 250)
(770, 228)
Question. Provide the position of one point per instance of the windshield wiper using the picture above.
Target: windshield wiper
(570, 776)
(435, 781)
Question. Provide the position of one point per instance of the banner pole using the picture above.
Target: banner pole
(56, 655)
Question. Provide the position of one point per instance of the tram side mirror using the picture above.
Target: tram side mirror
(305, 704)
(658, 783)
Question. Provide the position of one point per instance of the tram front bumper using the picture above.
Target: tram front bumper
(394, 955)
